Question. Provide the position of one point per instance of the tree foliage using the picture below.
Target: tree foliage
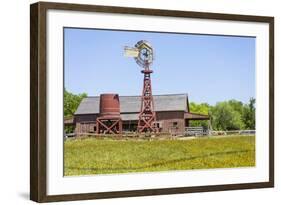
(71, 102)
(227, 115)
(249, 114)
(202, 108)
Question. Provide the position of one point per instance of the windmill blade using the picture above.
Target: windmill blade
(131, 52)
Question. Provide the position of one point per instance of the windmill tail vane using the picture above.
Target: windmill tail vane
(131, 52)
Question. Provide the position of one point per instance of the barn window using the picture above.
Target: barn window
(175, 124)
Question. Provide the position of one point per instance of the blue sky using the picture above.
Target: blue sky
(209, 68)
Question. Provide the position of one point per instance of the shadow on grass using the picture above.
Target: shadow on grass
(160, 163)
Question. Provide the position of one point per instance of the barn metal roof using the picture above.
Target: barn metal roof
(131, 104)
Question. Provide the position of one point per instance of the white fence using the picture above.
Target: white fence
(200, 131)
(196, 131)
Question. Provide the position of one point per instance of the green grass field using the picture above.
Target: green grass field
(88, 156)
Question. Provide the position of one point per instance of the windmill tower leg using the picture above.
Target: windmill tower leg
(147, 117)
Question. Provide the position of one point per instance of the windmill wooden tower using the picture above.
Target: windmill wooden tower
(143, 54)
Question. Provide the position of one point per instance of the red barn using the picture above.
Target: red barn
(172, 113)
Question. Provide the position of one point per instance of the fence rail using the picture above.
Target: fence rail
(196, 131)
(66, 135)
(189, 131)
(200, 131)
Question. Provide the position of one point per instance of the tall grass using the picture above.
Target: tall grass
(95, 156)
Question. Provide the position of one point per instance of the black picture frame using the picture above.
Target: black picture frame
(38, 100)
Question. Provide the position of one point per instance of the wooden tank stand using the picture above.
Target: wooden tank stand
(109, 125)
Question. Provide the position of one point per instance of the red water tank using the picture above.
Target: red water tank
(109, 105)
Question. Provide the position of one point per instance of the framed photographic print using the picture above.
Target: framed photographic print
(135, 102)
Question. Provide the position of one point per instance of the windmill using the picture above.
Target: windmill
(143, 55)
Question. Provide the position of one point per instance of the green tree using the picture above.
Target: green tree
(249, 115)
(71, 102)
(236, 105)
(202, 108)
(224, 116)
(227, 115)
